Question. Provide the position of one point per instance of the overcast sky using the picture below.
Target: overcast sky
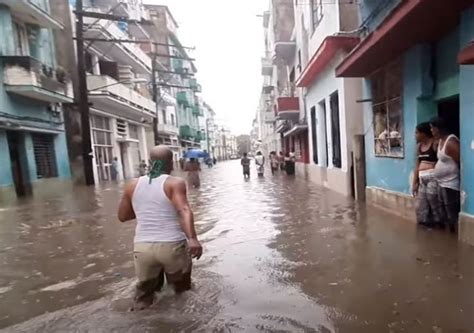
(228, 37)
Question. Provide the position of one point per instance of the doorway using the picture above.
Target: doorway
(19, 163)
(448, 110)
(123, 159)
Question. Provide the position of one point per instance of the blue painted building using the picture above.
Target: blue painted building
(417, 61)
(32, 90)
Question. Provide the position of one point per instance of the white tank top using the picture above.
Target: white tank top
(446, 169)
(157, 218)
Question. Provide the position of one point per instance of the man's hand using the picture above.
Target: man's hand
(195, 248)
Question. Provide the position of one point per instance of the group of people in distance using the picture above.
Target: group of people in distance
(436, 181)
(277, 162)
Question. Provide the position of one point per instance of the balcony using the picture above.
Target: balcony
(108, 95)
(196, 87)
(288, 107)
(267, 66)
(167, 98)
(182, 99)
(186, 132)
(200, 136)
(269, 117)
(168, 129)
(27, 77)
(197, 111)
(126, 53)
(32, 12)
(178, 66)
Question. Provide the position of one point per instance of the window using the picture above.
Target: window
(299, 61)
(386, 85)
(314, 135)
(20, 37)
(335, 130)
(322, 107)
(163, 114)
(316, 12)
(45, 156)
(173, 121)
(133, 131)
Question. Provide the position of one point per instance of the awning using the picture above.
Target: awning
(466, 56)
(404, 27)
(323, 56)
(296, 129)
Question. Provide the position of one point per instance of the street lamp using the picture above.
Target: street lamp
(136, 80)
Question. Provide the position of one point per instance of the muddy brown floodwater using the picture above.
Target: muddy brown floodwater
(281, 255)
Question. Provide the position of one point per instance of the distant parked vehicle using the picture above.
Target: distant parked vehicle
(234, 157)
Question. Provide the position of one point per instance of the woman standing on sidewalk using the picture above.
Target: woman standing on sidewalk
(447, 171)
(425, 185)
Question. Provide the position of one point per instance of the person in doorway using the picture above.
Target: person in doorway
(425, 185)
(260, 163)
(281, 161)
(114, 169)
(193, 168)
(142, 168)
(245, 162)
(274, 164)
(165, 239)
(290, 164)
(447, 171)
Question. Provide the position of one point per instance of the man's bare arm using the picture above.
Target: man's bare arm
(452, 149)
(179, 198)
(125, 210)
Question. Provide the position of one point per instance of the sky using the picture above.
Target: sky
(228, 36)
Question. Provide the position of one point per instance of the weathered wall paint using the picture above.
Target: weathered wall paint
(62, 160)
(381, 171)
(6, 168)
(42, 48)
(466, 78)
(30, 156)
(447, 68)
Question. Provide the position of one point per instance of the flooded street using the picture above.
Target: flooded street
(281, 255)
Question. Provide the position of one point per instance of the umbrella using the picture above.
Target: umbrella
(196, 153)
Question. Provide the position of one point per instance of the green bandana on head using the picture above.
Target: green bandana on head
(156, 170)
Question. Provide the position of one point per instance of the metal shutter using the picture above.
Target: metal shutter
(45, 156)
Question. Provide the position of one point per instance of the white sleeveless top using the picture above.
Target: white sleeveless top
(157, 218)
(446, 169)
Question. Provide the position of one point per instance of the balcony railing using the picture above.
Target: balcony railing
(129, 53)
(197, 111)
(182, 99)
(34, 12)
(186, 132)
(168, 129)
(288, 107)
(28, 77)
(105, 87)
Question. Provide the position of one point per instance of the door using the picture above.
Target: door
(448, 110)
(19, 164)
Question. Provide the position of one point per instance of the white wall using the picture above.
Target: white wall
(322, 88)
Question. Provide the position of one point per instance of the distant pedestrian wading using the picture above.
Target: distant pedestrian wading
(165, 239)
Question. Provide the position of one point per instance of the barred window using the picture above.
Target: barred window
(387, 109)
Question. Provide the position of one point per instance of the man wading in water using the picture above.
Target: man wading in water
(165, 239)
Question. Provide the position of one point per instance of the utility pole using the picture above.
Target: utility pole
(83, 100)
(155, 93)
